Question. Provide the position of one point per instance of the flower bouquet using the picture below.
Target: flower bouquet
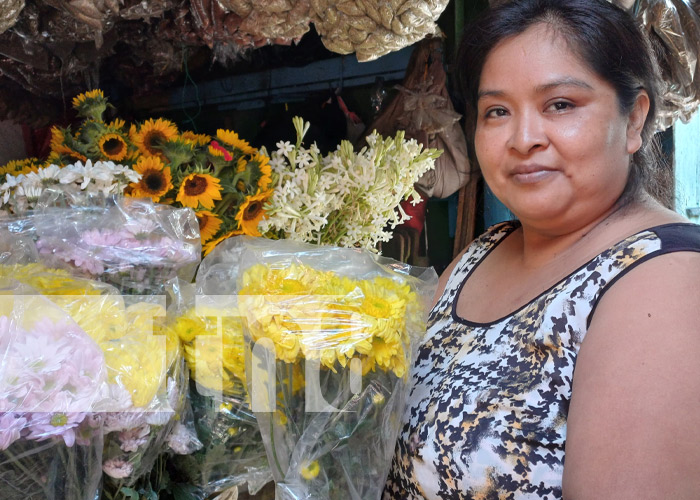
(232, 453)
(25, 182)
(133, 244)
(224, 179)
(144, 369)
(346, 198)
(330, 338)
(52, 375)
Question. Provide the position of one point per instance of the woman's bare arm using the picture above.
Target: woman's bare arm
(634, 420)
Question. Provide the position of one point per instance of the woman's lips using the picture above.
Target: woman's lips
(532, 174)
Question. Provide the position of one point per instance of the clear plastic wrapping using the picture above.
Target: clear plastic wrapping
(145, 372)
(330, 338)
(232, 452)
(132, 243)
(141, 361)
(52, 375)
(675, 29)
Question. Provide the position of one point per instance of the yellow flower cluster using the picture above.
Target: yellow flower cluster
(314, 314)
(216, 360)
(136, 356)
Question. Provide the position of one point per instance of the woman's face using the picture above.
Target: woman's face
(550, 139)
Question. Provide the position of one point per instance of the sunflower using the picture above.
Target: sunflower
(209, 224)
(199, 188)
(155, 179)
(60, 147)
(215, 149)
(58, 139)
(90, 104)
(17, 167)
(178, 151)
(152, 134)
(251, 213)
(117, 124)
(231, 138)
(113, 146)
(88, 96)
(212, 244)
(265, 170)
(195, 139)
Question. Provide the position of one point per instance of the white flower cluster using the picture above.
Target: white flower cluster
(346, 198)
(23, 191)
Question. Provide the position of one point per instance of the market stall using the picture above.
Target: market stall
(195, 304)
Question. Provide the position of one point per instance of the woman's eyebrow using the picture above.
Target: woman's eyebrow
(564, 82)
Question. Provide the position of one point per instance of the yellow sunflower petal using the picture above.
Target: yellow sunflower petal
(199, 189)
(251, 212)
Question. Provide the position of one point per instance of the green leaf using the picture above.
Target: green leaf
(130, 493)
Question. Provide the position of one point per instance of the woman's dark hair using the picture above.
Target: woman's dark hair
(606, 38)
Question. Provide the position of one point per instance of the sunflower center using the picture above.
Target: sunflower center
(154, 181)
(252, 210)
(203, 221)
(195, 186)
(113, 146)
(151, 140)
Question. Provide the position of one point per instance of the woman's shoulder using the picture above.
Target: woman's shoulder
(481, 244)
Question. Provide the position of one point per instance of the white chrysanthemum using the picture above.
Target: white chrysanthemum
(29, 191)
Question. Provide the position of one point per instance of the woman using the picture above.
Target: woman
(596, 275)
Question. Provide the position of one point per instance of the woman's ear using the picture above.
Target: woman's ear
(635, 124)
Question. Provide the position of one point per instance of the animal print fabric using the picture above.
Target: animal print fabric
(486, 417)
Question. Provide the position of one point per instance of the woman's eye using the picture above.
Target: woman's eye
(561, 106)
(495, 112)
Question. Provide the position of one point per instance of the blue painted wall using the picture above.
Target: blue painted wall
(686, 137)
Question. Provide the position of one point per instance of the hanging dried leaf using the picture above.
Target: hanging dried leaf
(9, 12)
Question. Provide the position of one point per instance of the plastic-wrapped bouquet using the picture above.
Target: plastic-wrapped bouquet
(346, 198)
(143, 368)
(133, 244)
(52, 375)
(330, 338)
(232, 453)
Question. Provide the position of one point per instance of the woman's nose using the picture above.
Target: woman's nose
(528, 133)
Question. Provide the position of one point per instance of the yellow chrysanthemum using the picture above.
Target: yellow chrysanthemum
(134, 357)
(139, 360)
(199, 189)
(213, 358)
(318, 315)
(155, 179)
(113, 147)
(195, 139)
(152, 134)
(212, 244)
(231, 138)
(209, 224)
(251, 212)
(310, 470)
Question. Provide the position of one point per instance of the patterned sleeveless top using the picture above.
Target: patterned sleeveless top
(486, 417)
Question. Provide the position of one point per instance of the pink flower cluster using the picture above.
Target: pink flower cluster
(99, 251)
(50, 376)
